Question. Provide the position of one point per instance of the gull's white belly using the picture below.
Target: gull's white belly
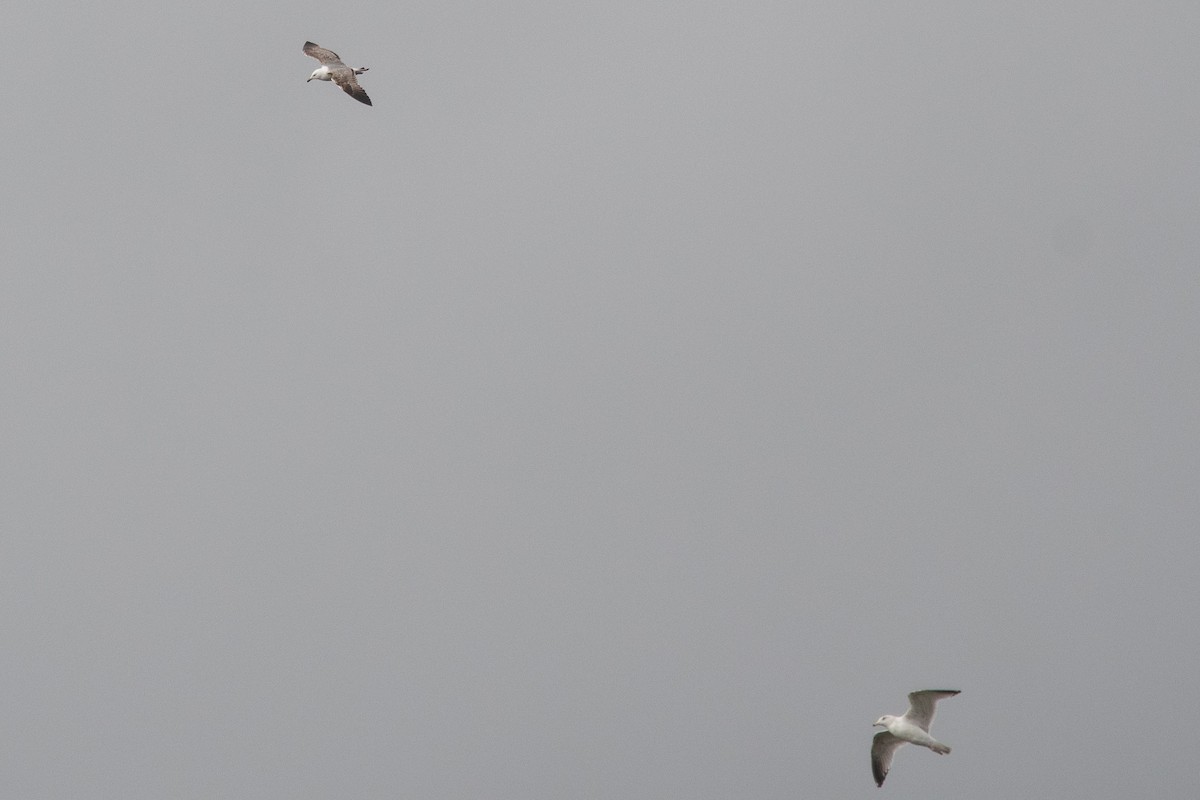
(909, 732)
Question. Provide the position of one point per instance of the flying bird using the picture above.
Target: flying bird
(912, 727)
(332, 69)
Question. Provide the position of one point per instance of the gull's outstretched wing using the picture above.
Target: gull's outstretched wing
(882, 748)
(326, 57)
(922, 705)
(344, 78)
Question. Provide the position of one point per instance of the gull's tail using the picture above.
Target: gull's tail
(361, 70)
(939, 748)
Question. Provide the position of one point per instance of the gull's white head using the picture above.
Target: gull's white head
(884, 720)
(321, 73)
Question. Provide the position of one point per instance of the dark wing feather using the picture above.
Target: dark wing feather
(882, 748)
(345, 79)
(327, 57)
(922, 705)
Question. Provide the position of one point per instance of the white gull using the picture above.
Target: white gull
(912, 727)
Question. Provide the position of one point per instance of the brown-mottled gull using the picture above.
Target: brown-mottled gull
(912, 727)
(332, 69)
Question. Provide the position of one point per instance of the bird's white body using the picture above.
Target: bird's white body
(906, 731)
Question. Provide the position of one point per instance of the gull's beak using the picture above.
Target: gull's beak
(309, 80)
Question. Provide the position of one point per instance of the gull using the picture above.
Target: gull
(912, 727)
(332, 69)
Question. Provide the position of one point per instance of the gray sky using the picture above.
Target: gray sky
(636, 402)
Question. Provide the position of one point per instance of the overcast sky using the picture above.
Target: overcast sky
(635, 403)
